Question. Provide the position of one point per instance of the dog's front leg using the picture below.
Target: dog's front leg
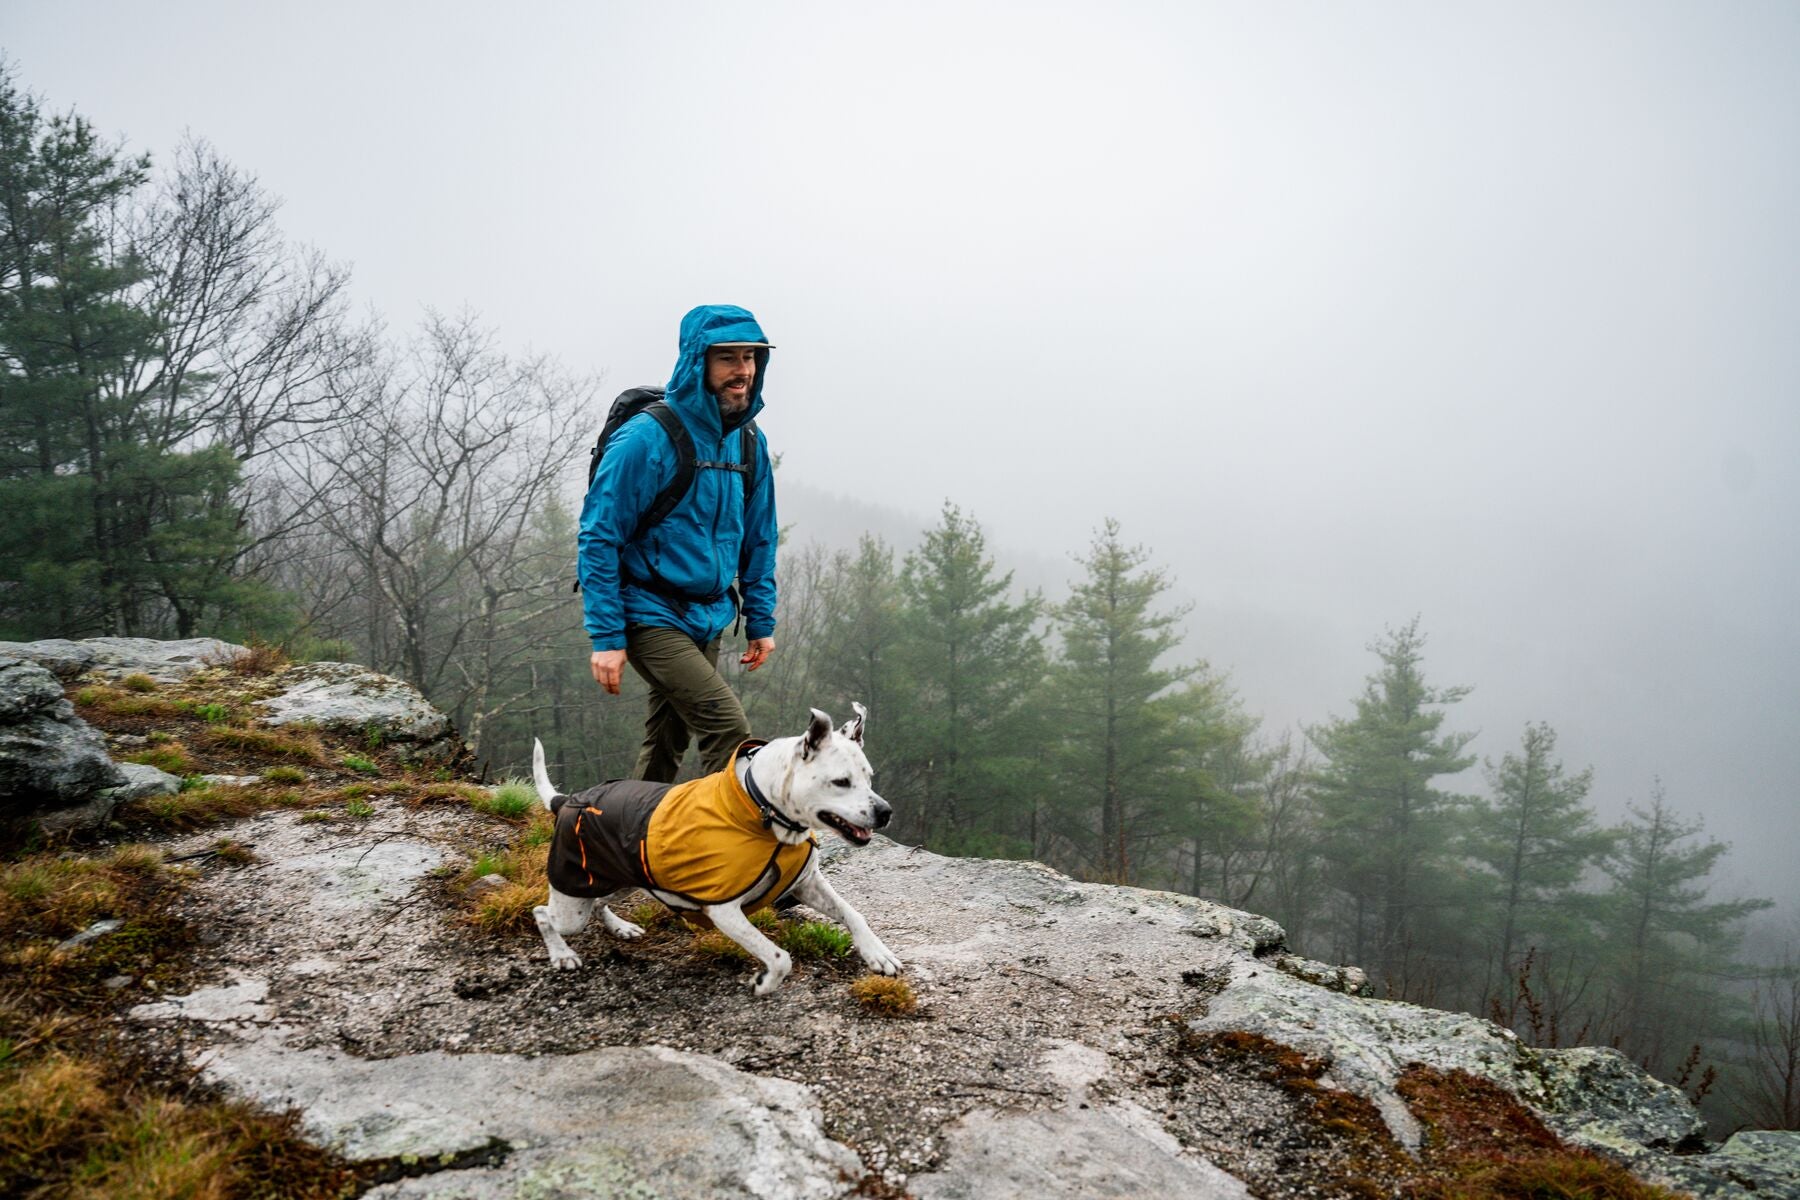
(730, 920)
(816, 893)
(564, 914)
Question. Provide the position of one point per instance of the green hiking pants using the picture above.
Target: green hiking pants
(688, 699)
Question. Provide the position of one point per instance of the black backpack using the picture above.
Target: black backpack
(650, 400)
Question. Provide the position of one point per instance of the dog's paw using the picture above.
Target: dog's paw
(619, 927)
(878, 957)
(772, 977)
(564, 960)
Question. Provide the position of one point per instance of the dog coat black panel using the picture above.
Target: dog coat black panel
(599, 835)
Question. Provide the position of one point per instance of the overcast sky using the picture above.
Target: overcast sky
(1489, 313)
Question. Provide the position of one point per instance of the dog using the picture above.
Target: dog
(718, 847)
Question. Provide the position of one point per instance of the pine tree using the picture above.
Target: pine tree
(1387, 833)
(1535, 838)
(1122, 732)
(1669, 944)
(971, 662)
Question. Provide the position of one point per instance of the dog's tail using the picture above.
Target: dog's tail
(540, 775)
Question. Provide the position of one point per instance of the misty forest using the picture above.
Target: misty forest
(202, 434)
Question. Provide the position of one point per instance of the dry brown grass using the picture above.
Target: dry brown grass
(884, 995)
(199, 807)
(70, 1127)
(1482, 1144)
(131, 704)
(297, 746)
(523, 864)
(172, 757)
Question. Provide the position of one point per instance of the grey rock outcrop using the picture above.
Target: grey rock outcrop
(1590, 1096)
(117, 657)
(1038, 1065)
(141, 783)
(346, 698)
(49, 757)
(620, 1121)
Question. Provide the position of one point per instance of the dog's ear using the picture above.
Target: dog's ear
(816, 733)
(853, 728)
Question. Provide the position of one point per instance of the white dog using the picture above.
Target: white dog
(721, 846)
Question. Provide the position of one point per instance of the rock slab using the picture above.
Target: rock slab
(625, 1121)
(346, 698)
(49, 757)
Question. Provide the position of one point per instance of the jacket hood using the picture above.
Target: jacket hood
(708, 325)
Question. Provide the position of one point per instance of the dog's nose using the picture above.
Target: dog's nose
(883, 813)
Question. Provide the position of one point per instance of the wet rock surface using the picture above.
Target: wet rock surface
(50, 759)
(355, 700)
(1046, 1057)
(117, 657)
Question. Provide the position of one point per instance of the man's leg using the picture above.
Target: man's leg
(687, 696)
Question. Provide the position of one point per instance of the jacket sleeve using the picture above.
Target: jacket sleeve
(637, 463)
(756, 560)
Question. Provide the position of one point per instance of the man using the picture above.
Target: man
(661, 599)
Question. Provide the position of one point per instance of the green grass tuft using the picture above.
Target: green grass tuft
(138, 683)
(358, 763)
(814, 940)
(284, 774)
(510, 801)
(359, 809)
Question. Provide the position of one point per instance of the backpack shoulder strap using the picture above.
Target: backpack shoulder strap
(747, 456)
(670, 496)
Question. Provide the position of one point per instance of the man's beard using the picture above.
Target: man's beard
(731, 404)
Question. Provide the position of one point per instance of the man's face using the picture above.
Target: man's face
(730, 372)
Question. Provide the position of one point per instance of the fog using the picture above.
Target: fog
(1483, 313)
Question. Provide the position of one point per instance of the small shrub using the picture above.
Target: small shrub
(284, 774)
(138, 683)
(358, 763)
(261, 659)
(885, 995)
(359, 809)
(510, 801)
(170, 756)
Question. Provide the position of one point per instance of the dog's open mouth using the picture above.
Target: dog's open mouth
(856, 835)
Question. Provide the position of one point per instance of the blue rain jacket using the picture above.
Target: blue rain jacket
(711, 538)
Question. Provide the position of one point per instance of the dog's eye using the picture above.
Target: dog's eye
(845, 782)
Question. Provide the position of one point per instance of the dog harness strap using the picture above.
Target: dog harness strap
(770, 815)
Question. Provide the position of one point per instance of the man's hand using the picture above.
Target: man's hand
(608, 666)
(758, 653)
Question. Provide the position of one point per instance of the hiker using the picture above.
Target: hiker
(658, 560)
